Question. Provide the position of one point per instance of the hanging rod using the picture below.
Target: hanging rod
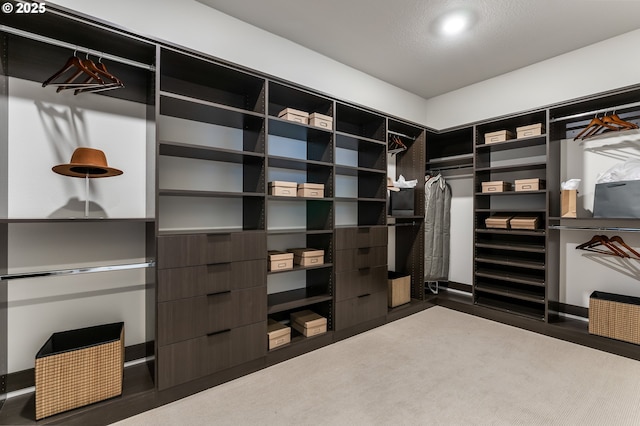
(74, 47)
(593, 228)
(401, 134)
(78, 271)
(594, 112)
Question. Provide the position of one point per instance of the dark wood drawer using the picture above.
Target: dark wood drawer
(197, 316)
(191, 359)
(202, 249)
(191, 281)
(354, 311)
(354, 283)
(350, 238)
(367, 257)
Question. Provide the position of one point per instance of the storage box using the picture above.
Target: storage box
(496, 186)
(319, 120)
(294, 115)
(401, 203)
(278, 334)
(500, 221)
(524, 222)
(280, 260)
(529, 184)
(311, 190)
(79, 367)
(617, 199)
(283, 188)
(307, 256)
(309, 323)
(399, 289)
(615, 316)
(530, 130)
(499, 136)
(569, 203)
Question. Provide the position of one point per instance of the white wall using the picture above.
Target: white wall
(597, 68)
(199, 27)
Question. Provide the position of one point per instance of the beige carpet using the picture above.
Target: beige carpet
(437, 367)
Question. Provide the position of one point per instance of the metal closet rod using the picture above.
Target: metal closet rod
(78, 270)
(598, 111)
(593, 228)
(391, 132)
(75, 47)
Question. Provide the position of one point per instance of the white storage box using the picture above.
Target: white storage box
(294, 115)
(319, 120)
(311, 190)
(531, 130)
(499, 136)
(283, 188)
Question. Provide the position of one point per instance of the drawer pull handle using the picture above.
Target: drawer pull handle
(364, 295)
(219, 293)
(219, 332)
(364, 268)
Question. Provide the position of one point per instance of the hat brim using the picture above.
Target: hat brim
(84, 170)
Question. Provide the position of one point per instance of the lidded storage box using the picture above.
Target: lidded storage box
(530, 130)
(280, 260)
(278, 334)
(320, 120)
(311, 190)
(79, 367)
(500, 221)
(309, 323)
(307, 256)
(535, 184)
(283, 188)
(496, 186)
(294, 115)
(524, 222)
(499, 136)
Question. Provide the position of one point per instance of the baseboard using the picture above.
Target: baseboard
(564, 308)
(467, 288)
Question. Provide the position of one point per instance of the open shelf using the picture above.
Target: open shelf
(513, 306)
(293, 299)
(512, 168)
(523, 232)
(186, 150)
(509, 260)
(512, 144)
(534, 295)
(530, 248)
(302, 268)
(516, 277)
(510, 193)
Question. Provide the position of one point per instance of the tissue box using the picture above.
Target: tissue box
(280, 260)
(283, 188)
(319, 120)
(308, 323)
(311, 190)
(307, 256)
(278, 334)
(294, 115)
(496, 186)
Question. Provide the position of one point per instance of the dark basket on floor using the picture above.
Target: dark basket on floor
(615, 316)
(79, 367)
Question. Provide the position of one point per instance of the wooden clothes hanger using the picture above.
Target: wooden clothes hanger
(595, 125)
(602, 240)
(396, 145)
(619, 240)
(80, 68)
(98, 78)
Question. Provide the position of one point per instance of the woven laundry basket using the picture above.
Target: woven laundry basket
(79, 367)
(615, 316)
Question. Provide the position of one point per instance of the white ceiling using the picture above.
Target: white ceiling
(394, 41)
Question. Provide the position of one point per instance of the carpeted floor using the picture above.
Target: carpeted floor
(437, 367)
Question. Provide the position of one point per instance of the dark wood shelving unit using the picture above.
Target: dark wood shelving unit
(512, 143)
(294, 299)
(531, 248)
(302, 268)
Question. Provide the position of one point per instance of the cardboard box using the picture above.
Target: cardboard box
(529, 184)
(308, 323)
(311, 190)
(496, 186)
(294, 115)
(283, 188)
(500, 221)
(569, 203)
(280, 260)
(399, 289)
(278, 334)
(524, 222)
(307, 256)
(531, 130)
(499, 136)
(319, 120)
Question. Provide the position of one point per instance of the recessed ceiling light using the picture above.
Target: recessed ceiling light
(454, 23)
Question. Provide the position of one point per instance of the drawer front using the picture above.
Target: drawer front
(350, 238)
(197, 316)
(367, 257)
(354, 283)
(179, 283)
(354, 311)
(202, 249)
(195, 358)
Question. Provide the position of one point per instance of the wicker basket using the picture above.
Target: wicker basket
(79, 367)
(615, 316)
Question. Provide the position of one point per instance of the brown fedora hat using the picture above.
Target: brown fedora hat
(87, 162)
